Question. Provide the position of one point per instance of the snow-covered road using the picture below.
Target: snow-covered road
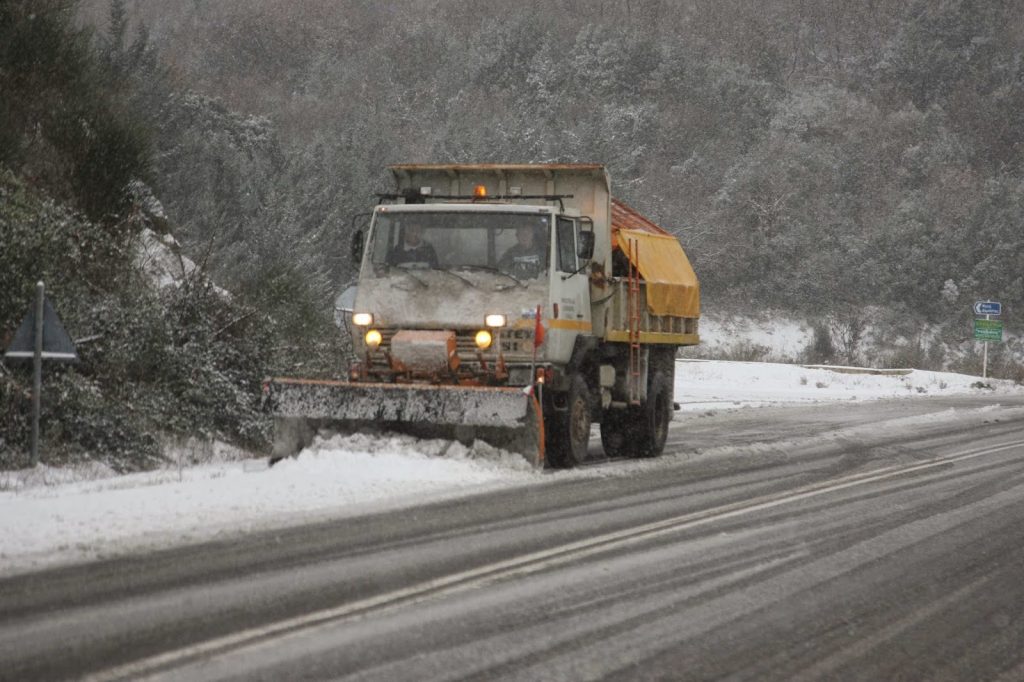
(49, 517)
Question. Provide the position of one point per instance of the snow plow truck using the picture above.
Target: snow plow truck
(513, 303)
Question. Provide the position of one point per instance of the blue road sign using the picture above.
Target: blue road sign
(988, 308)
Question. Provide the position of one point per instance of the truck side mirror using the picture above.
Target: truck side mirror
(357, 247)
(343, 306)
(585, 247)
(346, 300)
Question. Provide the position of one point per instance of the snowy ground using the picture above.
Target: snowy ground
(49, 516)
(781, 338)
(700, 382)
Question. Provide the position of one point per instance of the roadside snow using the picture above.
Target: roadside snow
(50, 516)
(737, 384)
(784, 338)
(45, 519)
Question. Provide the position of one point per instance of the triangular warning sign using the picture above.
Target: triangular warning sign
(57, 345)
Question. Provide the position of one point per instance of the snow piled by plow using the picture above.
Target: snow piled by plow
(46, 519)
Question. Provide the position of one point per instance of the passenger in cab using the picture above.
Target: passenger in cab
(413, 249)
(524, 259)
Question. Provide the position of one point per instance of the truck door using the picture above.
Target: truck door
(569, 315)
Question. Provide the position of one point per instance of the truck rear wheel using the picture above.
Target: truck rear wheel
(640, 431)
(618, 432)
(570, 430)
(655, 415)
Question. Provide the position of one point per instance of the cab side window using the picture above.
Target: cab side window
(566, 234)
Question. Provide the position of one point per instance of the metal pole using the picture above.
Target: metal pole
(37, 372)
(984, 354)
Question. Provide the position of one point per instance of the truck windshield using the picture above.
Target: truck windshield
(514, 243)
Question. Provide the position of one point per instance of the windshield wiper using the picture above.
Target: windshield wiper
(487, 268)
(405, 271)
(449, 272)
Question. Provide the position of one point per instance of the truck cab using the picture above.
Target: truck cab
(481, 276)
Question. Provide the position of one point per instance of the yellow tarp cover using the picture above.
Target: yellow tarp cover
(672, 286)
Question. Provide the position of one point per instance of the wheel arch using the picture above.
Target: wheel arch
(585, 362)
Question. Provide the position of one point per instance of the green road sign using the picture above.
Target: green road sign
(988, 330)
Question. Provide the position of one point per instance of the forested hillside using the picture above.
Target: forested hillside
(811, 155)
(858, 163)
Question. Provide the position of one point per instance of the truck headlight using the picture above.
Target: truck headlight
(483, 339)
(362, 319)
(373, 339)
(495, 321)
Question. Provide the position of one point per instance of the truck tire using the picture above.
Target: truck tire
(618, 432)
(655, 415)
(570, 432)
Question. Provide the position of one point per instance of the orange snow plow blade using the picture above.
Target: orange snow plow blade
(506, 418)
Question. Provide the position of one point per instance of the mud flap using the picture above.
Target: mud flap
(507, 418)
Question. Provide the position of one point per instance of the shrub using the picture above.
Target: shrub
(820, 350)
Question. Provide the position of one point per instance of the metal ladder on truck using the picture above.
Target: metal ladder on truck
(633, 315)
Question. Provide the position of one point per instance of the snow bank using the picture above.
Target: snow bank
(700, 383)
(45, 518)
(781, 338)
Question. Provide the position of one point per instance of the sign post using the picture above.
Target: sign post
(987, 330)
(41, 336)
(37, 370)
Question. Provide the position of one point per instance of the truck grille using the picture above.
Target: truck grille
(514, 342)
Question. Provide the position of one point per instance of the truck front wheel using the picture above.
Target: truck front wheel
(570, 435)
